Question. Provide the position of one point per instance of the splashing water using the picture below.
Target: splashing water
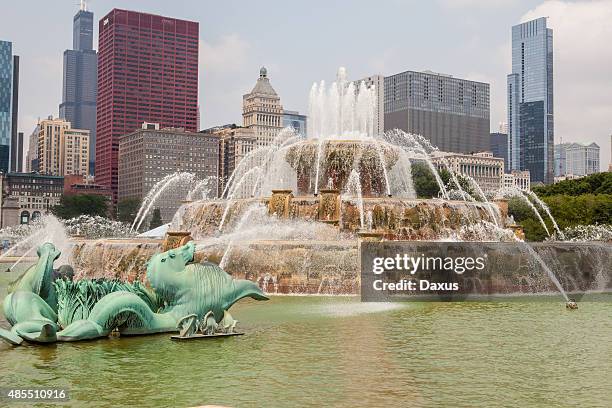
(155, 192)
(544, 207)
(353, 189)
(344, 111)
(203, 187)
(516, 192)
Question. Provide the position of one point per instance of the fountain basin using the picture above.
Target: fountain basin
(332, 267)
(400, 218)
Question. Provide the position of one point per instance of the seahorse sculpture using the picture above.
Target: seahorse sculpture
(31, 305)
(188, 291)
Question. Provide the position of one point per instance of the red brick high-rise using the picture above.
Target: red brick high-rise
(147, 72)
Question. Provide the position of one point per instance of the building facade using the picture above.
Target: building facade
(262, 110)
(62, 150)
(499, 147)
(530, 101)
(485, 169)
(452, 113)
(235, 142)
(9, 97)
(296, 121)
(33, 194)
(31, 160)
(520, 179)
(147, 72)
(149, 154)
(80, 79)
(576, 159)
(378, 83)
(77, 184)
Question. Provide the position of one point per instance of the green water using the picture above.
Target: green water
(338, 352)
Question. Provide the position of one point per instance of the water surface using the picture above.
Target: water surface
(324, 351)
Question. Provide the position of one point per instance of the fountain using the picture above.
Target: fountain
(294, 212)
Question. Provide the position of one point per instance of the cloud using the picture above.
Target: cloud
(229, 53)
(226, 73)
(582, 35)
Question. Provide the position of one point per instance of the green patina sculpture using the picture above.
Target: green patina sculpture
(185, 297)
(31, 305)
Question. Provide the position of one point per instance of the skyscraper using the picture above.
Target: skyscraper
(452, 113)
(530, 101)
(9, 89)
(499, 147)
(16, 158)
(262, 110)
(168, 151)
(62, 150)
(147, 72)
(80, 79)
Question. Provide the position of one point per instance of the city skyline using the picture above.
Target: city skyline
(475, 47)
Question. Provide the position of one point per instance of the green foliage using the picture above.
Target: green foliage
(74, 205)
(425, 184)
(569, 211)
(127, 209)
(599, 183)
(586, 209)
(523, 214)
(156, 219)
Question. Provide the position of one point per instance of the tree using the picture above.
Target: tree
(568, 211)
(425, 184)
(73, 205)
(127, 209)
(599, 183)
(156, 219)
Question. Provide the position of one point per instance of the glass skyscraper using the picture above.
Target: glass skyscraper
(80, 84)
(9, 69)
(530, 101)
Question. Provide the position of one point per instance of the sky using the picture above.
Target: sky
(306, 41)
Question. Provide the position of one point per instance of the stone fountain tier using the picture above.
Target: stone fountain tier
(332, 267)
(113, 258)
(336, 161)
(398, 218)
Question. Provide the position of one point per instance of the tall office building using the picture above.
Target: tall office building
(62, 150)
(235, 142)
(147, 72)
(80, 79)
(499, 147)
(9, 96)
(31, 160)
(19, 156)
(530, 101)
(262, 110)
(16, 159)
(452, 113)
(149, 154)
